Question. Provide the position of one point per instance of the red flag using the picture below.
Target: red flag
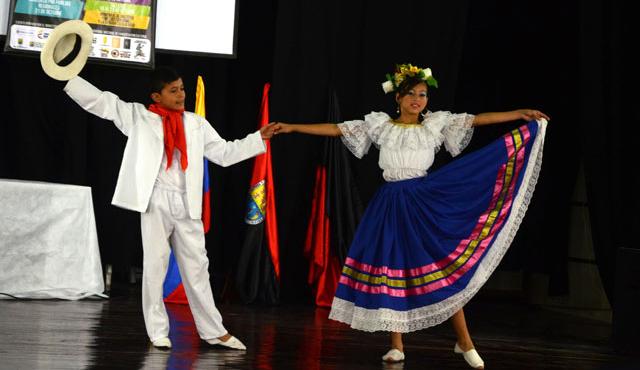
(335, 213)
(324, 266)
(258, 273)
(262, 171)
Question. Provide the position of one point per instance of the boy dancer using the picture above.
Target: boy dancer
(161, 177)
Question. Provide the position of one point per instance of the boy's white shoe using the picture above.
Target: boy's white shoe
(164, 343)
(394, 355)
(232, 342)
(471, 356)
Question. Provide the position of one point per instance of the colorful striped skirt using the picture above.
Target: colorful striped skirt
(425, 246)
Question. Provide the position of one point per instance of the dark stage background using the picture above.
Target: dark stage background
(569, 59)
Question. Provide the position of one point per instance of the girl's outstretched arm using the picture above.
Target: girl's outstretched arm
(491, 118)
(322, 129)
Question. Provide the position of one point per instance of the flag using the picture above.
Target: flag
(258, 273)
(206, 188)
(336, 210)
(173, 290)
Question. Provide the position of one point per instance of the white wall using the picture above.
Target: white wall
(4, 14)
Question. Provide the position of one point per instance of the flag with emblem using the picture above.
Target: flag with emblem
(258, 273)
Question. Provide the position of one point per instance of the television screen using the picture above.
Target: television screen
(4, 17)
(197, 26)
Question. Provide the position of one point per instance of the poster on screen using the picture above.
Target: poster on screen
(126, 31)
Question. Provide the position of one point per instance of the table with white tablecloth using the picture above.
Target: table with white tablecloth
(48, 241)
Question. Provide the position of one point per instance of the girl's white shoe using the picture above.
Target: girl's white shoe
(471, 356)
(394, 355)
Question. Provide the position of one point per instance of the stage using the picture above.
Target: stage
(109, 334)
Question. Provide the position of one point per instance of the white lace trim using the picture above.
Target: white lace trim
(455, 130)
(355, 138)
(428, 316)
(458, 132)
(384, 133)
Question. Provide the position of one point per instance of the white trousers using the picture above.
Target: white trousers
(166, 225)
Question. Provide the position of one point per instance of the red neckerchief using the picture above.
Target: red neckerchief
(173, 133)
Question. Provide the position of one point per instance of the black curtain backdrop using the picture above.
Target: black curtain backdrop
(570, 60)
(608, 113)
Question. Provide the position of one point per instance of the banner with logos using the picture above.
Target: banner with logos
(124, 30)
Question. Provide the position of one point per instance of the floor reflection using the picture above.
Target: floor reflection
(188, 350)
(35, 328)
(111, 335)
(392, 365)
(118, 327)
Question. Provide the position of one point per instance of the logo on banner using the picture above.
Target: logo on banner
(257, 203)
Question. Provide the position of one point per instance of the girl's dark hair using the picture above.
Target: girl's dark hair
(409, 83)
(162, 76)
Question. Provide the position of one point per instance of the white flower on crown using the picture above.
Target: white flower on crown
(387, 86)
(404, 70)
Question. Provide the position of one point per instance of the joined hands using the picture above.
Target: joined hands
(267, 131)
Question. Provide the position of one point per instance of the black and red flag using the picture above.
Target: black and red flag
(335, 212)
(258, 274)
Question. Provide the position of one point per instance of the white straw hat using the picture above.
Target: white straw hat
(58, 46)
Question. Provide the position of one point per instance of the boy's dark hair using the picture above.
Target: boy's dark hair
(160, 77)
(409, 83)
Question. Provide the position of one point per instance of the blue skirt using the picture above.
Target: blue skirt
(425, 246)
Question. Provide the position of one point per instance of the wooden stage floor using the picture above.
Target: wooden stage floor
(109, 334)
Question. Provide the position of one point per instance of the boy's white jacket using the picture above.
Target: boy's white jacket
(145, 146)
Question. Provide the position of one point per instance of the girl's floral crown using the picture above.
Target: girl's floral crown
(407, 70)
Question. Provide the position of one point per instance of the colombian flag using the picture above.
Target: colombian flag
(173, 291)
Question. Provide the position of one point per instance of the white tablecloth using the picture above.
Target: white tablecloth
(48, 241)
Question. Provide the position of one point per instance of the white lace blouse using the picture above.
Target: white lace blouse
(407, 151)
